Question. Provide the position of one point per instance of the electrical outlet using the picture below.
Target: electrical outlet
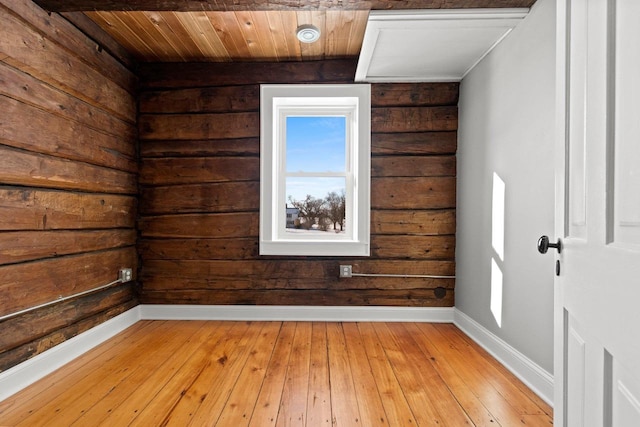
(345, 271)
(125, 275)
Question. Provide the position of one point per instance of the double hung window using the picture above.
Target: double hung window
(315, 170)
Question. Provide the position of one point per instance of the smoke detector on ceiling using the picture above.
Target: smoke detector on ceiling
(308, 33)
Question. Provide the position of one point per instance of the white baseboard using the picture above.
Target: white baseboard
(536, 378)
(20, 376)
(297, 313)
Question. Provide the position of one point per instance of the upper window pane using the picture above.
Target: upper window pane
(316, 144)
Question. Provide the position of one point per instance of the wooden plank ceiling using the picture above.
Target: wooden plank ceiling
(243, 30)
(234, 36)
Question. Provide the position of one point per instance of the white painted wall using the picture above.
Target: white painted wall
(506, 123)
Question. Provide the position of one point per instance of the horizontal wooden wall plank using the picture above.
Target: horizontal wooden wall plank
(382, 246)
(432, 222)
(283, 269)
(200, 248)
(413, 193)
(188, 170)
(244, 125)
(220, 99)
(27, 89)
(414, 119)
(241, 283)
(36, 130)
(181, 75)
(155, 251)
(422, 267)
(300, 268)
(223, 225)
(224, 5)
(228, 269)
(404, 298)
(55, 27)
(37, 170)
(396, 166)
(413, 247)
(41, 322)
(53, 278)
(190, 148)
(414, 94)
(27, 50)
(39, 345)
(421, 143)
(199, 126)
(210, 198)
(33, 209)
(20, 246)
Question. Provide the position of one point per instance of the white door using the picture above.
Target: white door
(597, 351)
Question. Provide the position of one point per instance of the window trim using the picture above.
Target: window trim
(275, 102)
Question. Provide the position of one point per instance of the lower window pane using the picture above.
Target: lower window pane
(315, 205)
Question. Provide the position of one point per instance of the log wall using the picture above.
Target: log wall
(68, 180)
(199, 183)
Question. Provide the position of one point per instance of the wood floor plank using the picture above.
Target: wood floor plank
(372, 411)
(421, 383)
(319, 395)
(293, 405)
(537, 420)
(474, 408)
(268, 374)
(268, 402)
(344, 407)
(239, 407)
(395, 404)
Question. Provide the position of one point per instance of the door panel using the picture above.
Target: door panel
(576, 368)
(624, 142)
(577, 141)
(598, 168)
(625, 396)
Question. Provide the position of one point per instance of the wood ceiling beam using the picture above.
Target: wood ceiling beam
(239, 5)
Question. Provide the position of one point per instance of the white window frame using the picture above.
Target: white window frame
(280, 101)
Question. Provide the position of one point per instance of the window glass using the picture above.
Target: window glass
(316, 143)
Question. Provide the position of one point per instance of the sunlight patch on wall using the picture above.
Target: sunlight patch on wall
(496, 292)
(497, 216)
(497, 242)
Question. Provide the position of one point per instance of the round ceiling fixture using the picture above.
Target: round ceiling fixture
(308, 33)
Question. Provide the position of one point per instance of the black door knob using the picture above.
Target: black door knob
(544, 245)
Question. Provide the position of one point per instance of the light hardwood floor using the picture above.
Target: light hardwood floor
(198, 373)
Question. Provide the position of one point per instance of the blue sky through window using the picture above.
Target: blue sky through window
(315, 144)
